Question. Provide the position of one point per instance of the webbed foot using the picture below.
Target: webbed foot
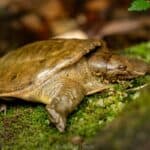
(58, 119)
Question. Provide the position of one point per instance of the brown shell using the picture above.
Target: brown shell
(19, 69)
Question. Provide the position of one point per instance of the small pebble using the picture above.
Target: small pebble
(76, 140)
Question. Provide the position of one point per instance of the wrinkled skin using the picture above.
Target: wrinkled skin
(65, 87)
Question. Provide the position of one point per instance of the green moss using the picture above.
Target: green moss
(26, 125)
(131, 129)
(141, 51)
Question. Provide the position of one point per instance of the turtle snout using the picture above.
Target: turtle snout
(121, 67)
(139, 67)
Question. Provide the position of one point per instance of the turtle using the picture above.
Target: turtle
(60, 72)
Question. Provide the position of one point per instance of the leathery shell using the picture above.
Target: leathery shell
(39, 61)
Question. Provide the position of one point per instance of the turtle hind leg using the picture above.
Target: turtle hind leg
(3, 108)
(70, 94)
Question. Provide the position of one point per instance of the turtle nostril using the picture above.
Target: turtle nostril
(122, 67)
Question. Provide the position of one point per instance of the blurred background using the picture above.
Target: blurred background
(26, 126)
(25, 21)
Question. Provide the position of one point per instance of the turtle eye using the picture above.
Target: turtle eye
(122, 67)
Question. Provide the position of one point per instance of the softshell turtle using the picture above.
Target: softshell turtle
(59, 73)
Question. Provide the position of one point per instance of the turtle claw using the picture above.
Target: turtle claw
(57, 118)
(62, 124)
(3, 108)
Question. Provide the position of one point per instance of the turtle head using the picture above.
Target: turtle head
(116, 67)
(121, 67)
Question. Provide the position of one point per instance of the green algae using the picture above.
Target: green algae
(26, 125)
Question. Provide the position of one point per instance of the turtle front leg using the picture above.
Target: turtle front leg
(64, 101)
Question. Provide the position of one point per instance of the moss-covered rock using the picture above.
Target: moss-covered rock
(131, 130)
(26, 125)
